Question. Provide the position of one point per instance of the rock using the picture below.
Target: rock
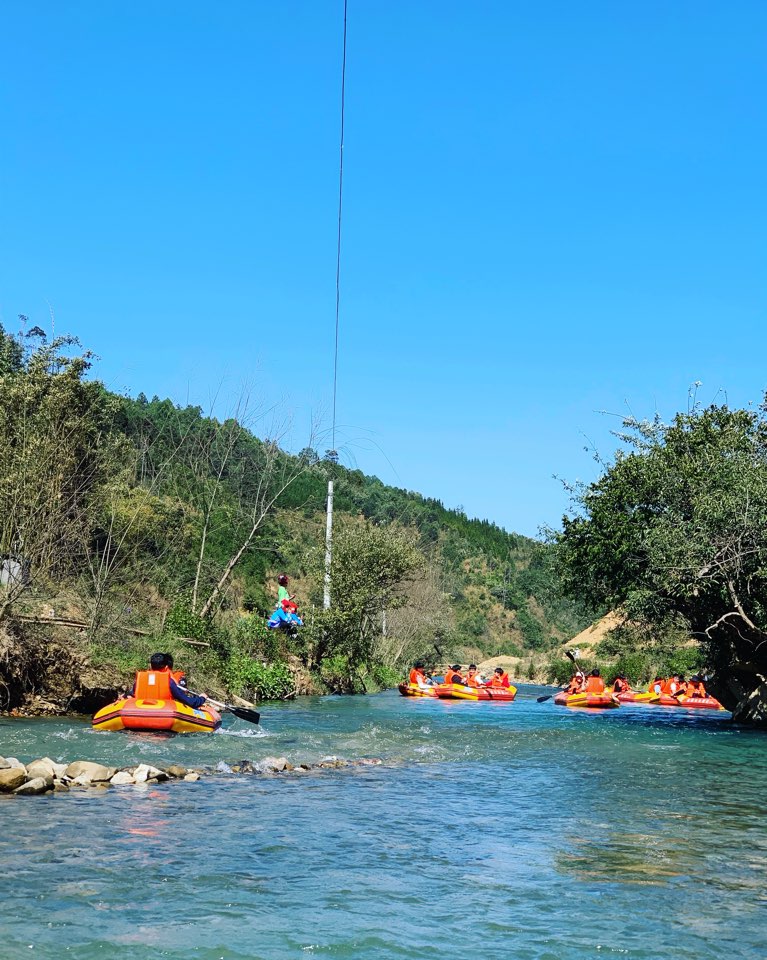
(11, 778)
(192, 777)
(176, 771)
(34, 786)
(93, 772)
(4, 765)
(144, 772)
(38, 771)
(122, 777)
(40, 768)
(272, 764)
(14, 764)
(60, 787)
(247, 766)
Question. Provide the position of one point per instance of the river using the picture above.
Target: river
(518, 830)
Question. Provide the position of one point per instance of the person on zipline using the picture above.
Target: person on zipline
(284, 597)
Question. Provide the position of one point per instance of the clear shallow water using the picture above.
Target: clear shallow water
(517, 830)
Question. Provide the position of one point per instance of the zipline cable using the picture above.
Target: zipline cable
(340, 213)
(334, 454)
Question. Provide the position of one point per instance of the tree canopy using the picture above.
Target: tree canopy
(675, 533)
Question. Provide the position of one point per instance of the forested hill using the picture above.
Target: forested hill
(145, 523)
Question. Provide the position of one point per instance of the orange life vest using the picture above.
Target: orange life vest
(654, 686)
(695, 690)
(595, 685)
(471, 680)
(575, 685)
(152, 685)
(502, 681)
(451, 676)
(621, 686)
(417, 677)
(669, 687)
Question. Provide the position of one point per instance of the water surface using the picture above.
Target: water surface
(517, 830)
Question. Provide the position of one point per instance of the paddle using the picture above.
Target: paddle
(570, 656)
(250, 716)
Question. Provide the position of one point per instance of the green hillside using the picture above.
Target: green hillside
(147, 524)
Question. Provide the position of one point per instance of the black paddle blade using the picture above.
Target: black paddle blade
(570, 655)
(544, 699)
(251, 716)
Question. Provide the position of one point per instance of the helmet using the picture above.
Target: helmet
(283, 579)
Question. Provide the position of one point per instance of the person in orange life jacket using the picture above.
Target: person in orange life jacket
(670, 685)
(452, 674)
(621, 684)
(695, 688)
(595, 683)
(159, 664)
(178, 675)
(499, 678)
(654, 686)
(472, 677)
(418, 675)
(576, 684)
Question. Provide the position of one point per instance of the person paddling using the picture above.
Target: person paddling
(152, 683)
(576, 683)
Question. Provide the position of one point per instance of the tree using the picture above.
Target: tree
(370, 569)
(56, 451)
(675, 532)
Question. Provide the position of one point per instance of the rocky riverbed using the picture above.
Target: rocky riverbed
(47, 776)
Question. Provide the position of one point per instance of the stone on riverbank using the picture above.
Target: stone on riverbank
(90, 772)
(121, 778)
(176, 771)
(34, 786)
(144, 772)
(43, 768)
(192, 777)
(11, 778)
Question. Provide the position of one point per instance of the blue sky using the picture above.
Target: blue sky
(550, 210)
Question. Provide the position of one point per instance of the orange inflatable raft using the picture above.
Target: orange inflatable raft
(460, 691)
(589, 701)
(689, 703)
(413, 690)
(152, 708)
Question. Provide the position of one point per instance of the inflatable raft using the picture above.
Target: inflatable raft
(459, 691)
(590, 701)
(635, 696)
(156, 715)
(413, 690)
(689, 703)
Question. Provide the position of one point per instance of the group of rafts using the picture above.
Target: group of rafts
(584, 692)
(455, 686)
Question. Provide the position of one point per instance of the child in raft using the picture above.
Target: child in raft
(499, 678)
